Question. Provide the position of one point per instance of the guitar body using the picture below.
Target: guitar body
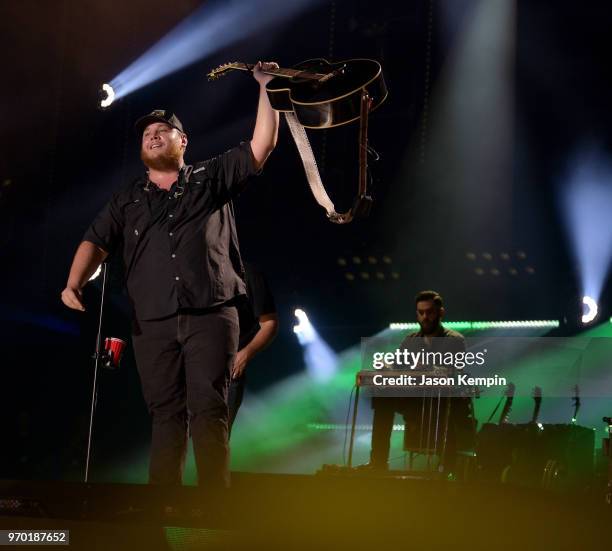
(332, 101)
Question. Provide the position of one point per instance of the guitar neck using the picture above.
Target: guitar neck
(505, 414)
(279, 72)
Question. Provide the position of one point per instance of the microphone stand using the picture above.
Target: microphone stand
(97, 356)
(608, 421)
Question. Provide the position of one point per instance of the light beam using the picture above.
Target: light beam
(212, 27)
(586, 204)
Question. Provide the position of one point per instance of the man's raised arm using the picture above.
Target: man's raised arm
(266, 125)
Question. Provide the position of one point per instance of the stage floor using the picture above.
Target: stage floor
(308, 512)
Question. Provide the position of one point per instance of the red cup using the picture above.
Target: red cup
(114, 346)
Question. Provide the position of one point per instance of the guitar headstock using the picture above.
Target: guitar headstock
(224, 69)
(537, 392)
(510, 390)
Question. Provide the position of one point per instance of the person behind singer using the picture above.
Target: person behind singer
(184, 275)
(258, 327)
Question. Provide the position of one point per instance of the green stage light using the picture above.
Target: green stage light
(481, 325)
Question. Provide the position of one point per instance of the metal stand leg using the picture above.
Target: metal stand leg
(445, 435)
(428, 443)
(353, 424)
(94, 393)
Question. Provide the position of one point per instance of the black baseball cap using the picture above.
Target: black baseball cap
(158, 115)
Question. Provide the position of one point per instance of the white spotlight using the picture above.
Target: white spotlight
(590, 309)
(304, 329)
(108, 95)
(320, 360)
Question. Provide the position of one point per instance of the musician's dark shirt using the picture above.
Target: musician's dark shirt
(444, 340)
(258, 302)
(180, 247)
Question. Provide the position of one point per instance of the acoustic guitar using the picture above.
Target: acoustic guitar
(320, 93)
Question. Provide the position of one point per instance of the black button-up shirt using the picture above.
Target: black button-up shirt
(180, 247)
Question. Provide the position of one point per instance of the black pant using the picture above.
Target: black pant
(234, 398)
(184, 363)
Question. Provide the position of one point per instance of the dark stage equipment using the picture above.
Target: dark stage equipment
(555, 456)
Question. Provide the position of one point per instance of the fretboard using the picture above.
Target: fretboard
(281, 72)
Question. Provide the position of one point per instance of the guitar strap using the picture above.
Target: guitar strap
(363, 202)
(310, 164)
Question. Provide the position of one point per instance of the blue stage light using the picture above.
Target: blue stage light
(586, 204)
(210, 28)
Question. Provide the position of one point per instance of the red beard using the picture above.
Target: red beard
(169, 159)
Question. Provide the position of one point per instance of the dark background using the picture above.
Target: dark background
(62, 158)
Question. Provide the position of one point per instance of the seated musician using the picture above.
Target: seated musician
(432, 337)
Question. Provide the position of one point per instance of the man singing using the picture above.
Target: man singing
(184, 274)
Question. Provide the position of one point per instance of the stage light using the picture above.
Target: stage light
(590, 309)
(304, 329)
(321, 361)
(585, 203)
(482, 325)
(107, 95)
(210, 28)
